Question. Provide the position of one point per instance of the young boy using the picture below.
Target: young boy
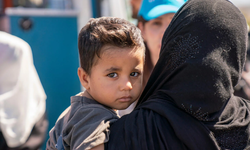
(112, 57)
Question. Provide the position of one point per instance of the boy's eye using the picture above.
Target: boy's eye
(134, 74)
(112, 75)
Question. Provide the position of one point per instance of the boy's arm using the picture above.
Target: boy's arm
(89, 127)
(99, 147)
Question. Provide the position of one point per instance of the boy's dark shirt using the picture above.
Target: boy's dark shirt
(83, 125)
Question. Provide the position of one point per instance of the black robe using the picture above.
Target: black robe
(188, 102)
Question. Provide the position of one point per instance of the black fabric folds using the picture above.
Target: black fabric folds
(188, 102)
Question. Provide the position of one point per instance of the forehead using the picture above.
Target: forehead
(119, 58)
(110, 50)
(163, 17)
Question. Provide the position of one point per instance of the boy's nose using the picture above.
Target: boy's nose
(127, 85)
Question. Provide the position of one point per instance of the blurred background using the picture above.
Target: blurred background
(51, 28)
(244, 6)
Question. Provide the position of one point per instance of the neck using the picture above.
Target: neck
(86, 94)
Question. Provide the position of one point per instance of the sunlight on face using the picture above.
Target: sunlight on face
(116, 78)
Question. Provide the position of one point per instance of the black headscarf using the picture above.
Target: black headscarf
(188, 102)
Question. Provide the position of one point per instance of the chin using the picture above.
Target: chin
(123, 107)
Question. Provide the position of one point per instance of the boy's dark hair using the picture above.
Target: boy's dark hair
(106, 31)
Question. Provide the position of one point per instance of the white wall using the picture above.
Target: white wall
(85, 11)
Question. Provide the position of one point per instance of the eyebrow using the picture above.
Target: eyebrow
(158, 18)
(112, 69)
(138, 68)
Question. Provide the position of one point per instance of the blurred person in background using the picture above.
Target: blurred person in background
(154, 16)
(135, 5)
(23, 123)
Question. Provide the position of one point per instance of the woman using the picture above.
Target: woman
(23, 123)
(188, 102)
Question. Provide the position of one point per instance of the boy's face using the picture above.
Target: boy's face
(116, 78)
(152, 32)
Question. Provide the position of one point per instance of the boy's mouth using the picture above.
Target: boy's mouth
(125, 99)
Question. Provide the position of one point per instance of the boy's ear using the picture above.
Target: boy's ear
(83, 77)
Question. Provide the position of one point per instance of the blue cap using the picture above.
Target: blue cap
(151, 9)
